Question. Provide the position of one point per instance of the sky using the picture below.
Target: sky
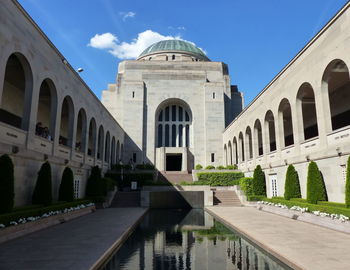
(255, 38)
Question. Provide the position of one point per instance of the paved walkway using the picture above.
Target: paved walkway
(305, 245)
(77, 244)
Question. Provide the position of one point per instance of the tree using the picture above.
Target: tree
(66, 191)
(94, 186)
(316, 189)
(7, 189)
(259, 184)
(43, 189)
(291, 184)
(347, 185)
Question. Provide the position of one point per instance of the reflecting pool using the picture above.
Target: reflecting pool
(188, 239)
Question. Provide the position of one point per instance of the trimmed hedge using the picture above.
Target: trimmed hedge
(259, 184)
(292, 185)
(255, 198)
(43, 188)
(219, 178)
(146, 166)
(246, 185)
(312, 207)
(347, 185)
(210, 167)
(142, 179)
(38, 211)
(231, 167)
(7, 181)
(316, 190)
(94, 186)
(66, 191)
(220, 167)
(198, 167)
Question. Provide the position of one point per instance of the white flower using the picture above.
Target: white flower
(2, 226)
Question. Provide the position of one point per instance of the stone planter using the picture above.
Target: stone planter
(16, 231)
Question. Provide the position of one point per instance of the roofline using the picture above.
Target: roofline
(174, 51)
(41, 32)
(311, 42)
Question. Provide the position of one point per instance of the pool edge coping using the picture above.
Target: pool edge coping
(117, 243)
(269, 250)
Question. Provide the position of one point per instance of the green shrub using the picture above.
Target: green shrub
(108, 185)
(146, 166)
(94, 186)
(230, 167)
(142, 178)
(256, 198)
(210, 167)
(198, 167)
(218, 178)
(220, 167)
(38, 211)
(246, 185)
(291, 184)
(347, 185)
(43, 188)
(259, 184)
(316, 190)
(66, 191)
(312, 207)
(7, 190)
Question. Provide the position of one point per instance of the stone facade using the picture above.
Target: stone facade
(302, 115)
(38, 85)
(179, 81)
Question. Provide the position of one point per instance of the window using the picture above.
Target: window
(76, 188)
(213, 95)
(134, 157)
(212, 157)
(173, 57)
(133, 94)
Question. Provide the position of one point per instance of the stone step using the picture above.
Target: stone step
(228, 198)
(175, 177)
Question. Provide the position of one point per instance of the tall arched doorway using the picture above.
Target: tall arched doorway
(173, 135)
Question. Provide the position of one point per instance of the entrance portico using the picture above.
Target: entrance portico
(172, 159)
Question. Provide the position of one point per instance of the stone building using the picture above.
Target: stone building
(173, 103)
(47, 112)
(303, 114)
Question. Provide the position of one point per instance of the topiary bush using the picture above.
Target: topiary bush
(316, 190)
(347, 184)
(291, 184)
(210, 167)
(220, 167)
(43, 188)
(66, 191)
(259, 183)
(7, 190)
(230, 167)
(94, 186)
(198, 167)
(246, 185)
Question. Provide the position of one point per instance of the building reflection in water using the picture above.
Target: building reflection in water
(188, 239)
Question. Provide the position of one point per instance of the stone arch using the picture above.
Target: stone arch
(112, 155)
(258, 138)
(241, 146)
(270, 130)
(16, 99)
(225, 154)
(337, 82)
(118, 152)
(235, 150)
(107, 147)
(92, 138)
(80, 136)
(67, 122)
(286, 122)
(306, 108)
(249, 141)
(100, 143)
(229, 153)
(47, 110)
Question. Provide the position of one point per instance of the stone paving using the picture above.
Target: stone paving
(77, 244)
(306, 246)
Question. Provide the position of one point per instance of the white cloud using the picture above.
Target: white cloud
(129, 14)
(125, 50)
(182, 28)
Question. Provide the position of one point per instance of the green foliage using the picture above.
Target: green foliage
(199, 167)
(142, 178)
(66, 191)
(146, 166)
(220, 167)
(246, 185)
(7, 190)
(259, 184)
(292, 185)
(108, 185)
(256, 198)
(37, 210)
(43, 188)
(95, 186)
(347, 185)
(312, 207)
(316, 190)
(210, 167)
(230, 167)
(218, 178)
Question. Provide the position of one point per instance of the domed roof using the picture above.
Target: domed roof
(174, 45)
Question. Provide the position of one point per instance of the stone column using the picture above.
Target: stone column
(323, 111)
(184, 159)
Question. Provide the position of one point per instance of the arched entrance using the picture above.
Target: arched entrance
(173, 135)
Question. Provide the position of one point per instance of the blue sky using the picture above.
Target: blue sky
(255, 38)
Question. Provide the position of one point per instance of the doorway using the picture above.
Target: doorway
(173, 162)
(273, 181)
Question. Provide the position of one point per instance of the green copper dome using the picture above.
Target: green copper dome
(174, 45)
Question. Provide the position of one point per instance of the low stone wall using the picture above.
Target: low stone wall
(172, 199)
(16, 231)
(327, 222)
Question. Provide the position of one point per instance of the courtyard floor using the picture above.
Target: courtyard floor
(77, 244)
(304, 245)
